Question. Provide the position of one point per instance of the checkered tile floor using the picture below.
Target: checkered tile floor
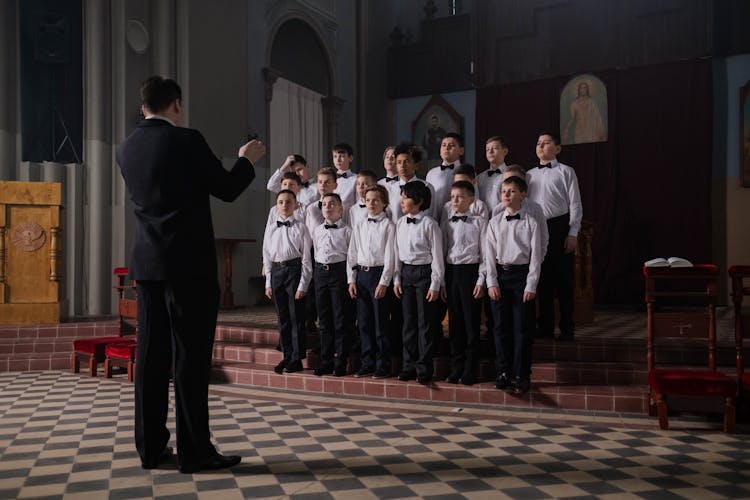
(70, 436)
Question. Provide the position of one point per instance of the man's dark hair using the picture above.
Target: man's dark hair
(333, 195)
(554, 136)
(520, 183)
(293, 176)
(409, 149)
(453, 135)
(157, 93)
(299, 159)
(419, 192)
(468, 186)
(467, 170)
(343, 147)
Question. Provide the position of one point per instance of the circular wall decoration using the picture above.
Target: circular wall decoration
(137, 36)
(28, 236)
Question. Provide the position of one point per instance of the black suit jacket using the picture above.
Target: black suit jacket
(170, 173)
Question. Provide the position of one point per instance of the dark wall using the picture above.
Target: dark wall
(298, 55)
(51, 80)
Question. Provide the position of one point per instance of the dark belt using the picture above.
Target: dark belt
(330, 267)
(287, 263)
(513, 267)
(368, 269)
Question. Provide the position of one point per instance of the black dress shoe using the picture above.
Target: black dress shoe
(339, 372)
(424, 379)
(521, 386)
(323, 370)
(294, 366)
(365, 371)
(166, 454)
(381, 374)
(215, 462)
(406, 375)
(280, 367)
(453, 378)
(502, 381)
(467, 380)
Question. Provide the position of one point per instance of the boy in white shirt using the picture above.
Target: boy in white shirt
(441, 177)
(489, 181)
(298, 165)
(342, 155)
(467, 173)
(389, 165)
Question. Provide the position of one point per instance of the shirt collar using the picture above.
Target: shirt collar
(160, 117)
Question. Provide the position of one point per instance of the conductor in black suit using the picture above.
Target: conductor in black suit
(170, 173)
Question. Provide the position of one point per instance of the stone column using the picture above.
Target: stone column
(98, 157)
(8, 88)
(163, 32)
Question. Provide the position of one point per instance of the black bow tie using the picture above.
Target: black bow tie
(320, 205)
(443, 167)
(491, 172)
(512, 217)
(362, 206)
(391, 179)
(306, 184)
(548, 165)
(330, 226)
(344, 175)
(457, 218)
(286, 223)
(410, 220)
(370, 219)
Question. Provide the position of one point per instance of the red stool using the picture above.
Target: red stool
(92, 350)
(738, 274)
(122, 355)
(699, 282)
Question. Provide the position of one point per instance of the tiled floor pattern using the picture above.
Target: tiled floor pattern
(70, 436)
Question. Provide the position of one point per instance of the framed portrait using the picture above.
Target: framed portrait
(745, 135)
(436, 119)
(583, 110)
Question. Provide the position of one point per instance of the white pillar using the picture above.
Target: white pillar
(98, 157)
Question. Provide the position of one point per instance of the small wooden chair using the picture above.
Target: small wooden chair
(738, 274)
(701, 282)
(121, 355)
(92, 350)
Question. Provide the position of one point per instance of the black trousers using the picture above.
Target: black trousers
(464, 316)
(373, 320)
(557, 278)
(285, 277)
(513, 344)
(417, 332)
(176, 328)
(335, 312)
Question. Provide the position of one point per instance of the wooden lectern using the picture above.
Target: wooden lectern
(30, 252)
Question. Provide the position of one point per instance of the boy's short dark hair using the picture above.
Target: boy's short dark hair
(467, 170)
(553, 135)
(497, 138)
(520, 183)
(286, 191)
(516, 167)
(409, 149)
(457, 137)
(329, 171)
(343, 147)
(368, 173)
(468, 186)
(379, 188)
(299, 159)
(293, 176)
(333, 195)
(157, 93)
(419, 192)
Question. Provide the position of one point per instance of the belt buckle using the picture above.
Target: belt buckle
(505, 267)
(325, 266)
(365, 268)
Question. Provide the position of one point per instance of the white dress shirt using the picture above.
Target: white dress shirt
(463, 240)
(386, 182)
(477, 207)
(307, 194)
(346, 187)
(394, 197)
(535, 211)
(420, 243)
(442, 180)
(555, 188)
(358, 213)
(331, 244)
(373, 244)
(488, 186)
(314, 215)
(282, 243)
(514, 242)
(273, 215)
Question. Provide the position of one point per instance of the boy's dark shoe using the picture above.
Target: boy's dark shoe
(323, 370)
(294, 366)
(339, 372)
(365, 371)
(424, 379)
(215, 462)
(166, 454)
(502, 381)
(521, 386)
(280, 367)
(381, 374)
(407, 375)
(467, 380)
(453, 378)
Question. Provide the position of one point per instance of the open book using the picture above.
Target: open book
(670, 262)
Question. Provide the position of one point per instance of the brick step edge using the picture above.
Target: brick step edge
(626, 399)
(34, 362)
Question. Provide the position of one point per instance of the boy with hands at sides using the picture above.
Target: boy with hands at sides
(359, 211)
(389, 165)
(441, 177)
(298, 165)
(419, 277)
(466, 173)
(464, 281)
(335, 308)
(489, 181)
(371, 264)
(291, 182)
(513, 255)
(407, 158)
(342, 155)
(288, 265)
